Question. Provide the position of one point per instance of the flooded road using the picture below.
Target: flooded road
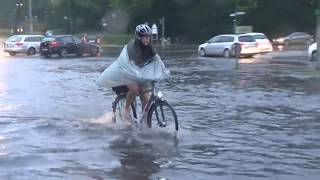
(258, 121)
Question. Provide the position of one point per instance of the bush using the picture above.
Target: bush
(5, 32)
(115, 39)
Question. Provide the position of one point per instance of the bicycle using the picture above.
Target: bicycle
(158, 112)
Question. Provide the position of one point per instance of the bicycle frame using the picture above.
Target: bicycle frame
(151, 107)
(152, 100)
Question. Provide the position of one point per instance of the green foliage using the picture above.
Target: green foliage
(186, 20)
(278, 18)
(245, 5)
(115, 39)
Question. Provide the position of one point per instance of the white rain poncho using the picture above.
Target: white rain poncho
(125, 72)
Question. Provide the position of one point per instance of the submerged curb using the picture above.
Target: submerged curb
(291, 57)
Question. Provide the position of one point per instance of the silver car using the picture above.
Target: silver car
(223, 45)
(27, 44)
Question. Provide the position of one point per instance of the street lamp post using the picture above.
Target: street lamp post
(30, 17)
(318, 31)
(18, 28)
(163, 23)
(66, 18)
(235, 19)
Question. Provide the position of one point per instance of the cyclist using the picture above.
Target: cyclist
(140, 52)
(137, 65)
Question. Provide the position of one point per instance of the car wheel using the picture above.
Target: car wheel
(314, 56)
(226, 53)
(202, 52)
(46, 55)
(12, 53)
(31, 51)
(94, 52)
(62, 53)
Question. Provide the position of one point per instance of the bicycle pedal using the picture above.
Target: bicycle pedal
(162, 124)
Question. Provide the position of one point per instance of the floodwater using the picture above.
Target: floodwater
(257, 121)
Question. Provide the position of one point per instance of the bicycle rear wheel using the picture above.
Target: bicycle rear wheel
(161, 115)
(118, 108)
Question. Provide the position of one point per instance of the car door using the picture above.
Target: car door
(297, 38)
(34, 41)
(211, 47)
(38, 40)
(70, 45)
(225, 42)
(80, 45)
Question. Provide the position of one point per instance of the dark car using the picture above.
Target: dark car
(295, 38)
(67, 44)
(93, 39)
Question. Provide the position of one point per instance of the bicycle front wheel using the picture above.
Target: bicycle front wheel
(162, 115)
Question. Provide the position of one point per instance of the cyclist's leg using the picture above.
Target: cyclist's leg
(131, 95)
(144, 94)
(144, 97)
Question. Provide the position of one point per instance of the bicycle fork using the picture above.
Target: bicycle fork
(163, 122)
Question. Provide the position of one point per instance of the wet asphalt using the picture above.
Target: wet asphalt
(255, 120)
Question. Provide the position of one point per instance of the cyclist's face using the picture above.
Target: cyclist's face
(145, 40)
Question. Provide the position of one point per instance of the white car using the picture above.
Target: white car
(222, 45)
(312, 52)
(28, 44)
(264, 44)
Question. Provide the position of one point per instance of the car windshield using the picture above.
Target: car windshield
(48, 39)
(77, 40)
(14, 38)
(91, 37)
(246, 39)
(298, 34)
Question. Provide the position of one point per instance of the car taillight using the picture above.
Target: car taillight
(242, 45)
(256, 44)
(54, 44)
(19, 44)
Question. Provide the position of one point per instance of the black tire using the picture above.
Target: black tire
(62, 52)
(13, 53)
(202, 52)
(94, 52)
(163, 116)
(31, 51)
(47, 55)
(117, 108)
(314, 56)
(226, 53)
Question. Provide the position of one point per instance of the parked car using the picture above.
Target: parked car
(222, 45)
(67, 44)
(264, 44)
(296, 38)
(27, 44)
(93, 39)
(312, 52)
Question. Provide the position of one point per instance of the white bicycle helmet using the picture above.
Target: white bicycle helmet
(143, 30)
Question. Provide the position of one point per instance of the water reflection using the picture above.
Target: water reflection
(257, 121)
(142, 154)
